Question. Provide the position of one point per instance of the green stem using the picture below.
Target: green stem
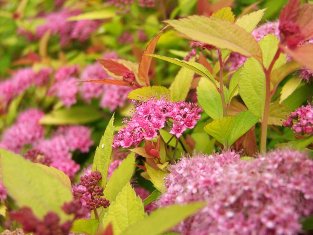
(221, 88)
(268, 97)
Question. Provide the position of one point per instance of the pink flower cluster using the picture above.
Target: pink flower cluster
(20, 81)
(66, 85)
(120, 3)
(268, 195)
(153, 115)
(147, 3)
(236, 60)
(301, 120)
(3, 192)
(66, 140)
(25, 131)
(57, 24)
(89, 193)
(112, 96)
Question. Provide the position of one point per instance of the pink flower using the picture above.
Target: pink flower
(66, 91)
(301, 120)
(66, 72)
(3, 192)
(268, 195)
(21, 80)
(120, 3)
(84, 28)
(59, 148)
(77, 137)
(89, 90)
(151, 116)
(25, 131)
(126, 38)
(114, 96)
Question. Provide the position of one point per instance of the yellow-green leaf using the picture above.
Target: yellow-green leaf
(251, 20)
(157, 177)
(180, 86)
(252, 86)
(126, 210)
(31, 185)
(289, 87)
(85, 226)
(146, 93)
(163, 219)
(102, 158)
(73, 115)
(278, 113)
(95, 15)
(209, 99)
(219, 33)
(227, 130)
(269, 45)
(224, 14)
(120, 177)
(194, 66)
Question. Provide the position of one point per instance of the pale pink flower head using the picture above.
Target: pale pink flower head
(301, 120)
(268, 195)
(114, 96)
(151, 116)
(66, 72)
(120, 3)
(25, 131)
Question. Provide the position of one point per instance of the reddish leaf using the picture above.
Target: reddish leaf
(221, 4)
(290, 11)
(108, 230)
(302, 54)
(114, 67)
(144, 66)
(305, 20)
(108, 81)
(247, 143)
(202, 60)
(203, 8)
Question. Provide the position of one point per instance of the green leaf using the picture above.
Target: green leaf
(73, 115)
(180, 86)
(307, 223)
(146, 93)
(250, 21)
(163, 219)
(224, 14)
(289, 87)
(120, 177)
(219, 33)
(280, 73)
(13, 109)
(126, 210)
(209, 99)
(252, 86)
(269, 45)
(297, 144)
(152, 197)
(204, 144)
(157, 178)
(278, 112)
(85, 226)
(39, 187)
(102, 158)
(228, 129)
(95, 15)
(194, 66)
(298, 97)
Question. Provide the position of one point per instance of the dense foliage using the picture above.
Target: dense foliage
(156, 117)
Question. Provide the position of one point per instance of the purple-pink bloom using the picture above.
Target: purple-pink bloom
(20, 81)
(59, 148)
(3, 192)
(268, 195)
(114, 96)
(147, 3)
(151, 116)
(25, 131)
(301, 120)
(66, 91)
(84, 28)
